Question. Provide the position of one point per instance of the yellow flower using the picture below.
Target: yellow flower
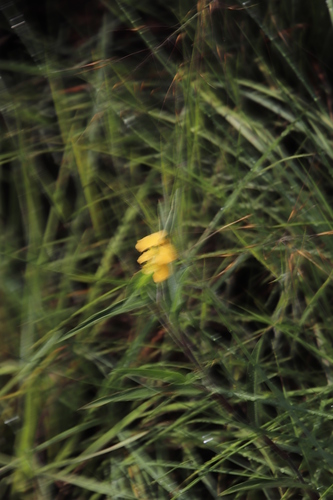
(158, 253)
(152, 240)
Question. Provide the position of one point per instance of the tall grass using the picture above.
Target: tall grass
(212, 121)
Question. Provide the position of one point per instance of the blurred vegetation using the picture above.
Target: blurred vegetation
(213, 121)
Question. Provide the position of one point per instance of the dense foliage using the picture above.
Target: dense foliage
(211, 121)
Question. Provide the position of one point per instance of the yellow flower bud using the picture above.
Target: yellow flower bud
(158, 253)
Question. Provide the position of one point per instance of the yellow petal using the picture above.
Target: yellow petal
(165, 254)
(161, 274)
(148, 255)
(152, 240)
(149, 268)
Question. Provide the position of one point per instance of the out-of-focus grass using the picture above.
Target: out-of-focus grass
(211, 121)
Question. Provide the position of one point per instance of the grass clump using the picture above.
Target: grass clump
(212, 123)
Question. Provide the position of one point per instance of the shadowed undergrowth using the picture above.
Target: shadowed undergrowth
(212, 121)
